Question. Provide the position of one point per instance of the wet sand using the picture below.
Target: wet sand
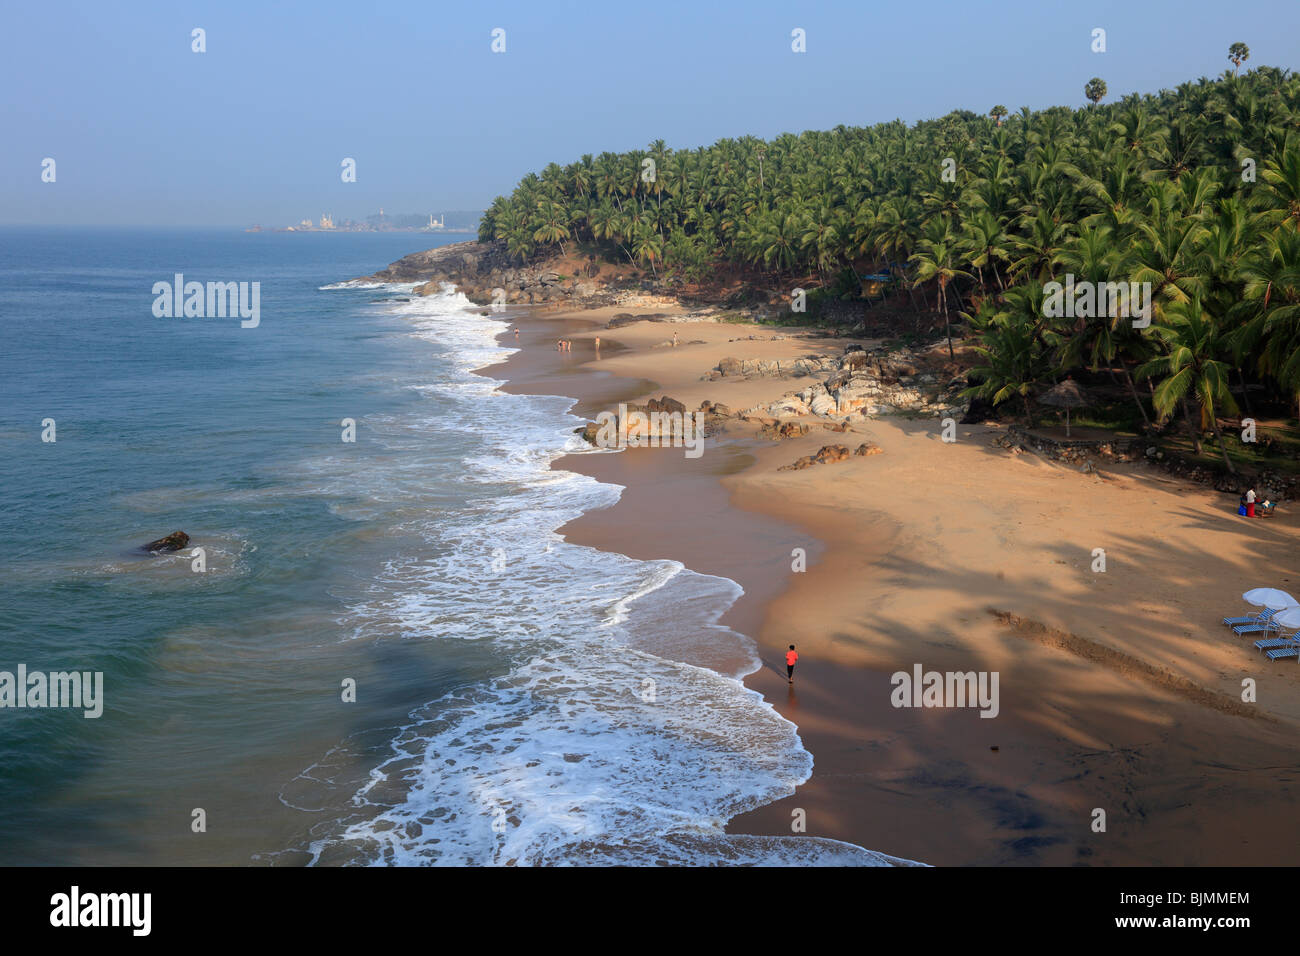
(1120, 691)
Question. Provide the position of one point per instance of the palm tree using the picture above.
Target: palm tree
(1191, 369)
(1012, 357)
(1238, 53)
(552, 226)
(1282, 175)
(1167, 254)
(998, 112)
(936, 258)
(1095, 90)
(648, 246)
(985, 243)
(1271, 290)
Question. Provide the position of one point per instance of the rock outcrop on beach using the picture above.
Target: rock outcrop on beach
(173, 542)
(653, 422)
(457, 259)
(828, 455)
(855, 381)
(784, 430)
(627, 318)
(487, 275)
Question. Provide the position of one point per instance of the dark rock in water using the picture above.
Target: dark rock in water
(173, 542)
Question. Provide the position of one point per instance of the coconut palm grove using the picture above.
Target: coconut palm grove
(963, 220)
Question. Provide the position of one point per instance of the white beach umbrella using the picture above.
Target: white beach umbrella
(1289, 618)
(1271, 598)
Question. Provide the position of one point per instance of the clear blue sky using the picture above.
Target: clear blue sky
(145, 132)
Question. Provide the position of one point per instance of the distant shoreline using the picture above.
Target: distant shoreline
(435, 232)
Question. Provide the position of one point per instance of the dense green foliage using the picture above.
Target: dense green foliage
(1194, 190)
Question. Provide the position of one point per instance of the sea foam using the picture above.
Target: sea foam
(616, 729)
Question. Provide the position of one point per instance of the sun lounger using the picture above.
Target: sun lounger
(1259, 618)
(1269, 643)
(1254, 628)
(1278, 653)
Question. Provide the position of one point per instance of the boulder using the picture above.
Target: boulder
(665, 404)
(789, 405)
(829, 454)
(785, 430)
(173, 542)
(868, 448)
(856, 360)
(730, 366)
(822, 404)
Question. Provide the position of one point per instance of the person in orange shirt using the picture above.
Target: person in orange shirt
(790, 657)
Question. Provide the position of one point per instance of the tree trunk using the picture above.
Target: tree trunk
(1245, 392)
(912, 294)
(1218, 436)
(1133, 391)
(1192, 433)
(947, 325)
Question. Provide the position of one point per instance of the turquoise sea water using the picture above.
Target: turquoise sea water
(500, 711)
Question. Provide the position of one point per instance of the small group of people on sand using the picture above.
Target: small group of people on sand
(1249, 501)
(564, 345)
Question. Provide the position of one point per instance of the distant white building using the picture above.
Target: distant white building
(436, 223)
(326, 222)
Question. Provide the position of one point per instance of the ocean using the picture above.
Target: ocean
(388, 656)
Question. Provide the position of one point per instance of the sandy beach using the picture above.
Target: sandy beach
(1120, 690)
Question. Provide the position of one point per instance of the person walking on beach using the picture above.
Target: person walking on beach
(791, 656)
(516, 333)
(674, 340)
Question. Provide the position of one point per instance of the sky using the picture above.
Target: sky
(145, 131)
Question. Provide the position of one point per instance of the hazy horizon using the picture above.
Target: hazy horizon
(146, 132)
